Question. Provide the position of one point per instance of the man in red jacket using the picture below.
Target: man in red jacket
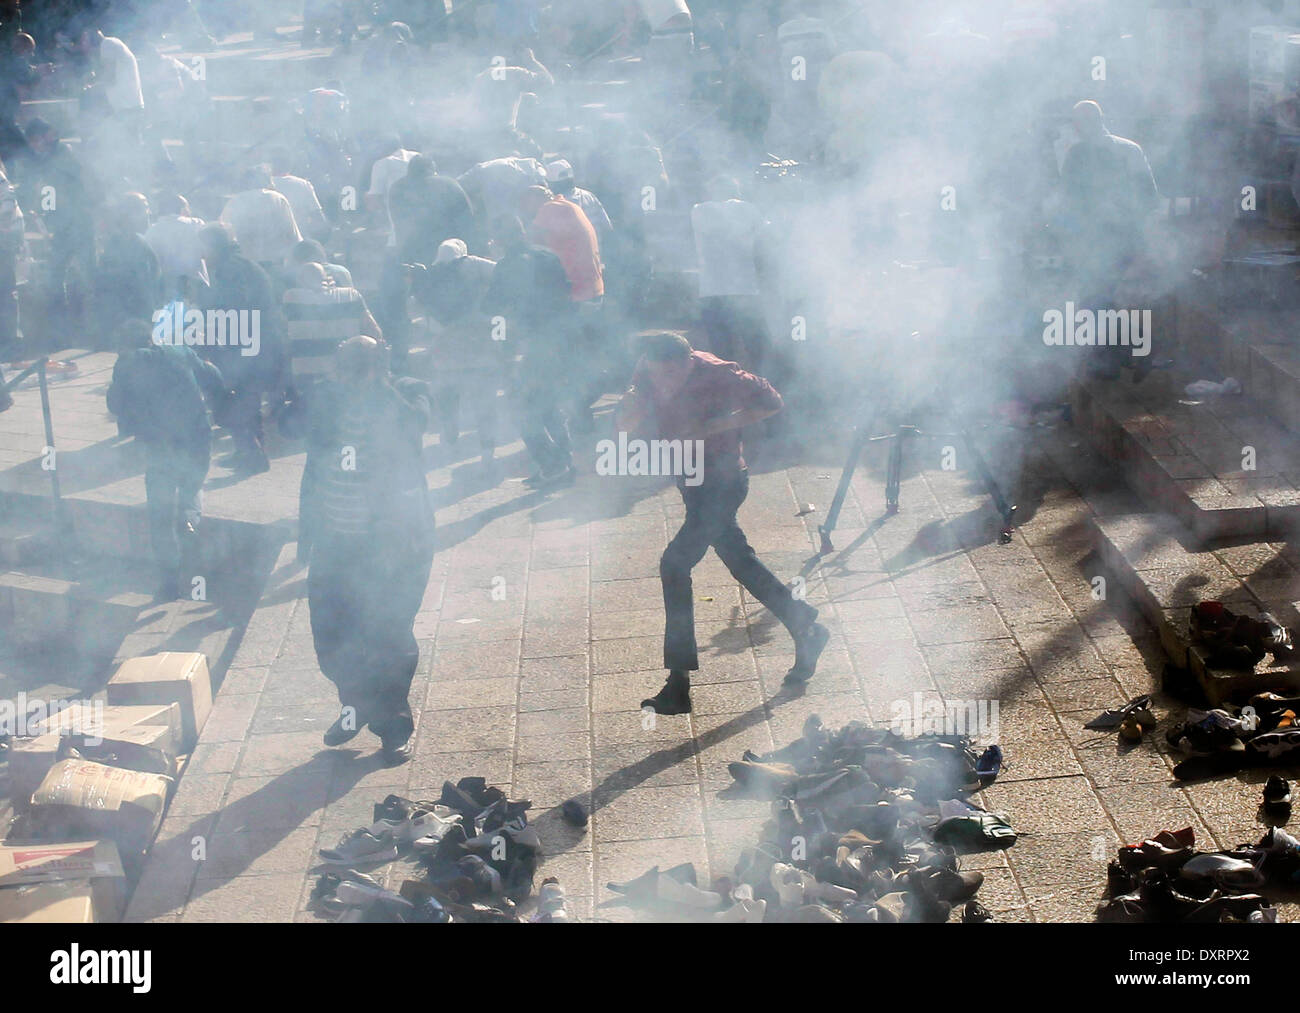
(696, 396)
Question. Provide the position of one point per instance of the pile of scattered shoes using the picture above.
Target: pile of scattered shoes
(1165, 878)
(1237, 641)
(1263, 732)
(479, 853)
(863, 830)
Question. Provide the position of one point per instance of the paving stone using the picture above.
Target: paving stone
(471, 693)
(269, 898)
(1048, 805)
(431, 766)
(258, 852)
(546, 748)
(648, 813)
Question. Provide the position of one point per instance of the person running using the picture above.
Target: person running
(692, 395)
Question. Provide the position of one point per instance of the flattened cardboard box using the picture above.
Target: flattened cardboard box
(71, 721)
(170, 677)
(150, 748)
(79, 797)
(96, 861)
(66, 903)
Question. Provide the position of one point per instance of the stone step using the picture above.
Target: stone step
(1166, 570)
(72, 622)
(94, 604)
(121, 530)
(1223, 467)
(24, 541)
(241, 66)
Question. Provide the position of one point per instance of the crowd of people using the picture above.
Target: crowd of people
(464, 225)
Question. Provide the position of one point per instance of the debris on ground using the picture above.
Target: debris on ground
(1238, 641)
(479, 853)
(1166, 879)
(1262, 733)
(865, 828)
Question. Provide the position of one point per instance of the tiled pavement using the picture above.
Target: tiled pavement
(537, 685)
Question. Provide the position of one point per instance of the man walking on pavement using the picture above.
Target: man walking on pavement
(695, 396)
(365, 525)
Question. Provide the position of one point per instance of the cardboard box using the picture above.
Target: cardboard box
(145, 747)
(97, 862)
(97, 714)
(139, 737)
(70, 902)
(80, 798)
(165, 678)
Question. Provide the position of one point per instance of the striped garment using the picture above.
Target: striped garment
(344, 502)
(318, 321)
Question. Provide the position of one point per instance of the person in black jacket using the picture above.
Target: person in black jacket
(128, 281)
(53, 186)
(160, 394)
(236, 283)
(530, 292)
(365, 527)
(427, 209)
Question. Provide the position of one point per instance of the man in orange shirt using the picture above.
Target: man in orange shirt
(563, 228)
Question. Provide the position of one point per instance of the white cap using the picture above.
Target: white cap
(451, 249)
(559, 171)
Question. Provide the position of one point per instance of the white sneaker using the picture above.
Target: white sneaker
(426, 829)
(377, 843)
(687, 895)
(787, 884)
(795, 887)
(550, 904)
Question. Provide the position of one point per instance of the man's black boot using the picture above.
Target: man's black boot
(808, 647)
(674, 698)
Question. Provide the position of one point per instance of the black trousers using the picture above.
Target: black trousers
(540, 396)
(241, 416)
(711, 522)
(362, 600)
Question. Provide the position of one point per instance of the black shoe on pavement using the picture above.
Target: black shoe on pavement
(674, 698)
(808, 647)
(249, 462)
(344, 729)
(398, 751)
